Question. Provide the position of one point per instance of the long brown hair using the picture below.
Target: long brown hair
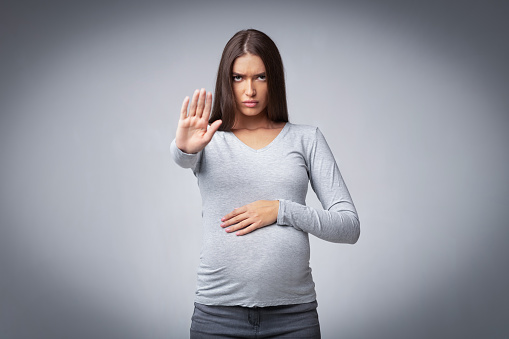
(249, 41)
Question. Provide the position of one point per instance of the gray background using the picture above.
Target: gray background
(100, 231)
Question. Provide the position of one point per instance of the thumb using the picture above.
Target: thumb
(212, 129)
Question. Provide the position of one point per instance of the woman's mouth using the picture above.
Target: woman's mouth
(250, 103)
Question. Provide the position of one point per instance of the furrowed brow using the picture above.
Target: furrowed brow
(242, 75)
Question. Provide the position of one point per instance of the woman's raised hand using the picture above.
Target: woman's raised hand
(192, 132)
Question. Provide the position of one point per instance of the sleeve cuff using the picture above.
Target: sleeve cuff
(281, 213)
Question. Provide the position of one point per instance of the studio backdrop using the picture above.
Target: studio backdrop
(100, 231)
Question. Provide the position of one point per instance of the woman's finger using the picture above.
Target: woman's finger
(234, 220)
(238, 226)
(201, 103)
(250, 224)
(208, 105)
(212, 129)
(183, 110)
(233, 213)
(247, 230)
(192, 109)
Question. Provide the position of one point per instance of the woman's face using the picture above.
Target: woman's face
(249, 85)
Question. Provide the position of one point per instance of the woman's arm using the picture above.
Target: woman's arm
(338, 220)
(334, 224)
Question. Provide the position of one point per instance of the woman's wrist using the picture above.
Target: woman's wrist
(276, 209)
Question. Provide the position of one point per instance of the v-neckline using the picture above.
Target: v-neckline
(278, 136)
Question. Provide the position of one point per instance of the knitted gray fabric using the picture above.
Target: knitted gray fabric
(269, 266)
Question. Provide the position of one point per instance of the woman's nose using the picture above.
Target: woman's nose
(250, 90)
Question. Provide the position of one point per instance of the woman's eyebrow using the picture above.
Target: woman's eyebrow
(256, 75)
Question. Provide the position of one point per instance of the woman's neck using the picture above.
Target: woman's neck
(253, 122)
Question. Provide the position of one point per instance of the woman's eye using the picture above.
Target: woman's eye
(262, 77)
(237, 78)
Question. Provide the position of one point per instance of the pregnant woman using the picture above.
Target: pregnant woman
(253, 168)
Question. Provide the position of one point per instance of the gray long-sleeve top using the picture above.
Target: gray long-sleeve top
(269, 266)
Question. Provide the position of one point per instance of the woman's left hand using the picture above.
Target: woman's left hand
(250, 217)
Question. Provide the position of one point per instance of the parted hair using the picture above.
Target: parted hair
(249, 41)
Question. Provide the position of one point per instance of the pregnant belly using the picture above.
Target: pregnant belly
(272, 262)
